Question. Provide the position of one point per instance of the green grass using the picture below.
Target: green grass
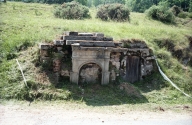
(26, 24)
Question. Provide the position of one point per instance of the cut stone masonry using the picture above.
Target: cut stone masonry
(93, 58)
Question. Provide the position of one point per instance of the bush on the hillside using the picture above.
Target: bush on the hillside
(190, 15)
(190, 6)
(176, 10)
(117, 12)
(72, 10)
(160, 13)
(183, 15)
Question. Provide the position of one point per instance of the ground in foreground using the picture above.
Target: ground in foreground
(60, 113)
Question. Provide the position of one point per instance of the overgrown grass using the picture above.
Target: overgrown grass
(26, 24)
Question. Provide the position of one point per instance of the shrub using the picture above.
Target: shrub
(117, 12)
(72, 10)
(190, 6)
(176, 10)
(160, 13)
(190, 15)
(183, 15)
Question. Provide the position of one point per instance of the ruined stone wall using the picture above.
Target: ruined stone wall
(93, 58)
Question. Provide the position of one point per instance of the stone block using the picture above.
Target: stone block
(107, 39)
(58, 42)
(71, 33)
(44, 46)
(44, 53)
(99, 34)
(65, 73)
(90, 38)
(85, 34)
(44, 59)
(97, 44)
(118, 44)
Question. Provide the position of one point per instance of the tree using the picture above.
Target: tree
(83, 2)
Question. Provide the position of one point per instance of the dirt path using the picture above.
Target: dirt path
(12, 114)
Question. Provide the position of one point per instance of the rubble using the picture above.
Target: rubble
(94, 58)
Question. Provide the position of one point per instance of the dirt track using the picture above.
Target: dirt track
(12, 114)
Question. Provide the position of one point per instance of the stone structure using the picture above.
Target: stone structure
(93, 58)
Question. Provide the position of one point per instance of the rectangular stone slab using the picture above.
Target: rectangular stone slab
(97, 44)
(85, 34)
(58, 42)
(69, 42)
(92, 38)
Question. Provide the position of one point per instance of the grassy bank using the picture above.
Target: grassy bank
(24, 25)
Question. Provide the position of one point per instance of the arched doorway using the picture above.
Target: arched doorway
(90, 73)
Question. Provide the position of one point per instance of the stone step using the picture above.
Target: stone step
(92, 38)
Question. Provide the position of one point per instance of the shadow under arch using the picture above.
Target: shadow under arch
(90, 73)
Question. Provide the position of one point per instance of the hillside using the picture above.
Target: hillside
(24, 25)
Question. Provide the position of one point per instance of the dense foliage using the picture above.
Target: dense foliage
(117, 12)
(161, 12)
(72, 10)
(134, 5)
(142, 5)
(176, 10)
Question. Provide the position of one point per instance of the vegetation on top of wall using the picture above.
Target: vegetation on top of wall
(117, 12)
(72, 10)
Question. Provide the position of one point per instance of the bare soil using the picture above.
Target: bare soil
(59, 114)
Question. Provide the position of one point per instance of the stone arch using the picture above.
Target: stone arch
(86, 62)
(90, 72)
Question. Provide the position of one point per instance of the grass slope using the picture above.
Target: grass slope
(25, 24)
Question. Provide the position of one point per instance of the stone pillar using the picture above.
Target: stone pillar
(74, 77)
(105, 78)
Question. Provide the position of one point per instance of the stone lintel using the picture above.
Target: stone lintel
(94, 38)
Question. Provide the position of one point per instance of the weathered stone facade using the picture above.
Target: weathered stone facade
(93, 58)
